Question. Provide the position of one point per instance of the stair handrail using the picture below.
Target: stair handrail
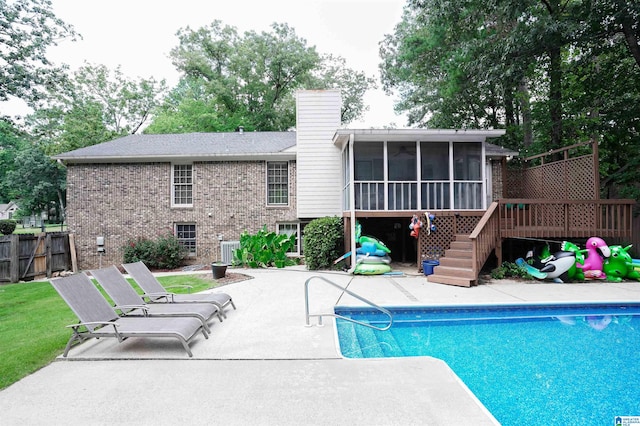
(333, 314)
(485, 237)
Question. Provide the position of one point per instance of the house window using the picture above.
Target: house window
(369, 175)
(467, 175)
(277, 183)
(402, 193)
(186, 235)
(289, 229)
(436, 181)
(182, 187)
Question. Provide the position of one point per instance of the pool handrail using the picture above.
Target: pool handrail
(333, 314)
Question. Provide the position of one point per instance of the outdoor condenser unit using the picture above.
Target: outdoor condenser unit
(227, 248)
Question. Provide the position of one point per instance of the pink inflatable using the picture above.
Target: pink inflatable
(597, 250)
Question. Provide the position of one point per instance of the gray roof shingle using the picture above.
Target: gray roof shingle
(202, 146)
(186, 145)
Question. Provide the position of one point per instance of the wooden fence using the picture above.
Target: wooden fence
(25, 257)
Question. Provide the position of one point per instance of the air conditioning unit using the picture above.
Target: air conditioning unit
(227, 248)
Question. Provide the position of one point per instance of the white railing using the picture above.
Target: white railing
(333, 314)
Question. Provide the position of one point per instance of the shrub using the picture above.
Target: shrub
(323, 242)
(509, 270)
(163, 253)
(264, 249)
(7, 226)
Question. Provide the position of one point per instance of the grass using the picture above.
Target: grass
(37, 230)
(33, 320)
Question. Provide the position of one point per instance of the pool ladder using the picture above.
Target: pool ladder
(333, 314)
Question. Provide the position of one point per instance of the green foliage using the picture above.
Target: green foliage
(509, 270)
(165, 252)
(29, 27)
(7, 226)
(323, 242)
(249, 80)
(12, 141)
(96, 104)
(36, 181)
(264, 249)
(552, 73)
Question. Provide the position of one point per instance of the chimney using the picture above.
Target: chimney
(318, 160)
(240, 129)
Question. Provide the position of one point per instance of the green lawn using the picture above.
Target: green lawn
(33, 320)
(48, 228)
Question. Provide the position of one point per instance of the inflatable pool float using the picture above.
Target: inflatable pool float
(372, 268)
(370, 249)
(379, 244)
(363, 258)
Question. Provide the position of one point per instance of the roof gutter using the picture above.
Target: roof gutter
(172, 158)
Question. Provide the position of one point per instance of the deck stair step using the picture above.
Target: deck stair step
(369, 344)
(461, 245)
(456, 265)
(453, 262)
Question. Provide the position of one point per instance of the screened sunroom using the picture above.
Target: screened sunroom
(412, 169)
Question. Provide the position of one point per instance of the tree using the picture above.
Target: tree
(27, 29)
(37, 182)
(474, 63)
(12, 141)
(249, 80)
(553, 72)
(95, 105)
(333, 73)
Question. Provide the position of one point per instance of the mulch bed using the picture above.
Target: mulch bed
(229, 278)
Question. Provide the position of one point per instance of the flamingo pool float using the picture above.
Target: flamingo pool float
(597, 250)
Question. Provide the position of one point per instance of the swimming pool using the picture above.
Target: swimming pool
(559, 364)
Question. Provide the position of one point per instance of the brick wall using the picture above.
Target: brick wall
(126, 201)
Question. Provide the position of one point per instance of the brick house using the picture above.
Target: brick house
(208, 188)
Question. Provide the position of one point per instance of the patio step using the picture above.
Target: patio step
(446, 279)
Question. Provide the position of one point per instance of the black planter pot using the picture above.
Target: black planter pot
(219, 269)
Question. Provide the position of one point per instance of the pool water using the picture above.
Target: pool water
(537, 365)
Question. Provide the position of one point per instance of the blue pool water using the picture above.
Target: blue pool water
(535, 365)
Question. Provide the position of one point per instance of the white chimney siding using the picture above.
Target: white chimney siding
(319, 178)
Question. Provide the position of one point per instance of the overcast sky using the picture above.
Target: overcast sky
(139, 34)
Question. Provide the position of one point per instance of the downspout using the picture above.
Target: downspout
(352, 205)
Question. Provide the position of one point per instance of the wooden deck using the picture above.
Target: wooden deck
(534, 218)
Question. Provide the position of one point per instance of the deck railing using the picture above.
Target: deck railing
(543, 218)
(485, 237)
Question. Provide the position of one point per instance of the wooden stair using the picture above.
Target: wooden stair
(456, 265)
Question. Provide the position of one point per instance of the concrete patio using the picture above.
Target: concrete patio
(263, 366)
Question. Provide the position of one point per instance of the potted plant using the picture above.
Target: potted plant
(219, 269)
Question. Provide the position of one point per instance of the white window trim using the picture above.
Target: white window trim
(195, 238)
(298, 236)
(266, 177)
(173, 185)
